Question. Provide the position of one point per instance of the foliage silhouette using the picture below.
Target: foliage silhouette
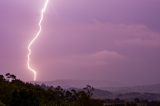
(14, 92)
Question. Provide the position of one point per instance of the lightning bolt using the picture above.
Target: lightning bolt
(33, 41)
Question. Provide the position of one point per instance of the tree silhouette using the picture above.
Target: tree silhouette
(10, 77)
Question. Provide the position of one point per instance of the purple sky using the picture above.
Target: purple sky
(113, 40)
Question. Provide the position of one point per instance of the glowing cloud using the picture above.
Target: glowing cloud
(34, 39)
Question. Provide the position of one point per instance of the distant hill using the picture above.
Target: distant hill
(142, 96)
(142, 89)
(101, 94)
(80, 83)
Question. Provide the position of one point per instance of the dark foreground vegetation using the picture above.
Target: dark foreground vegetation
(14, 92)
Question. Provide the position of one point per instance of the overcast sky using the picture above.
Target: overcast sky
(113, 40)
